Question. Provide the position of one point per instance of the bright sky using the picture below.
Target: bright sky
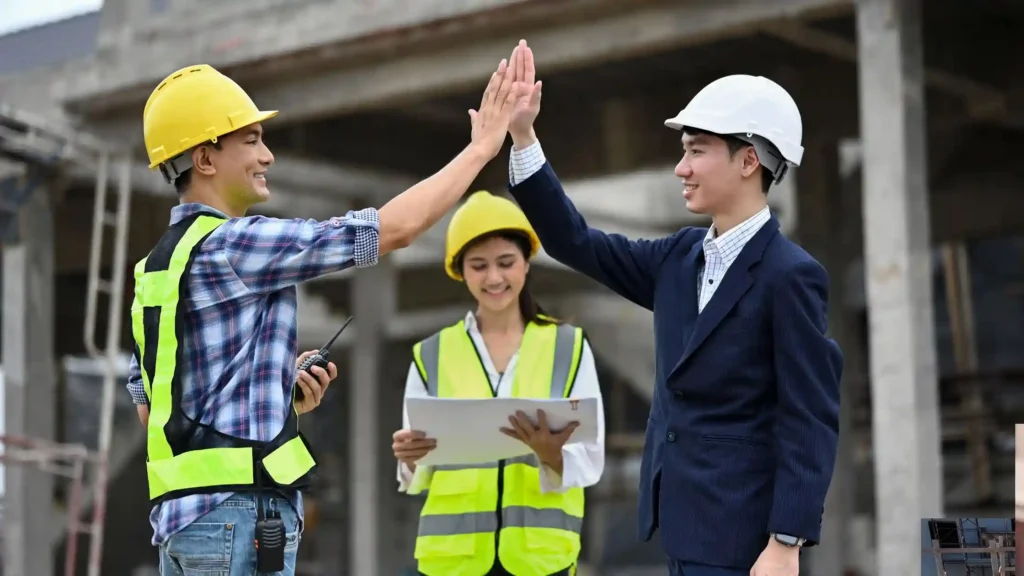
(18, 14)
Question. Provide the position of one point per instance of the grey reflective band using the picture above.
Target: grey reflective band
(527, 517)
(565, 344)
(511, 517)
(430, 352)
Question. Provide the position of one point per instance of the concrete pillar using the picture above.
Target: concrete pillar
(29, 385)
(371, 290)
(908, 470)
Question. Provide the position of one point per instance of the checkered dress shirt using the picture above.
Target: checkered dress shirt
(239, 346)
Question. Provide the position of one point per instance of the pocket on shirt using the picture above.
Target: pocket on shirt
(203, 549)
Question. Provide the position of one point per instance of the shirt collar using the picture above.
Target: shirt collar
(730, 244)
(182, 211)
(471, 325)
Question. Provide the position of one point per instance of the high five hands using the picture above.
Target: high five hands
(510, 104)
(490, 122)
(527, 91)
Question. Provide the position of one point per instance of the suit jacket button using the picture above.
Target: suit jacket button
(671, 436)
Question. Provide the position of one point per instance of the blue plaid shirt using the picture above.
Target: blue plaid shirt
(239, 346)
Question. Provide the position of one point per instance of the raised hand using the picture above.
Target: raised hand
(527, 90)
(490, 123)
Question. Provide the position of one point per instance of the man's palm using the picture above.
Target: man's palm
(527, 106)
(525, 88)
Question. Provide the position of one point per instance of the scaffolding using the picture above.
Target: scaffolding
(1019, 469)
(975, 546)
(42, 148)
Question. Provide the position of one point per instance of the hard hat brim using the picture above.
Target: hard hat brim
(257, 118)
(527, 234)
(674, 123)
(793, 154)
(265, 115)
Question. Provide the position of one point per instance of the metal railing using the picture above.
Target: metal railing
(43, 146)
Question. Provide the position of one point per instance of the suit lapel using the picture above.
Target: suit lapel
(692, 264)
(738, 280)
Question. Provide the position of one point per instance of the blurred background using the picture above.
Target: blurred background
(910, 195)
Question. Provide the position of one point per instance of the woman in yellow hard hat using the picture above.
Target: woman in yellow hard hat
(520, 516)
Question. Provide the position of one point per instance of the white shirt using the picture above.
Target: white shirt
(582, 463)
(719, 253)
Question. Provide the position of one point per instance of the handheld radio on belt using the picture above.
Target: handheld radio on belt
(319, 358)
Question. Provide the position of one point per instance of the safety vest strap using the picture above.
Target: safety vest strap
(185, 456)
(156, 320)
(568, 349)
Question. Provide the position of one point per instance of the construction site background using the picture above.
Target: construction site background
(909, 193)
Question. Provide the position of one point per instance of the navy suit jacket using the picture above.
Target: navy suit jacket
(741, 439)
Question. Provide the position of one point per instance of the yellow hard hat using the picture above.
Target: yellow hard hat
(482, 214)
(194, 105)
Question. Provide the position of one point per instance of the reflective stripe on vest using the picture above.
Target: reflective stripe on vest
(539, 533)
(156, 313)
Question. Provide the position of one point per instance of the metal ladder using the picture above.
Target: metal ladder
(44, 147)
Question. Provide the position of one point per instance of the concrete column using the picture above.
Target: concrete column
(29, 385)
(908, 470)
(371, 290)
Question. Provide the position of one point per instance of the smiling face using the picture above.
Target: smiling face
(495, 269)
(237, 168)
(713, 175)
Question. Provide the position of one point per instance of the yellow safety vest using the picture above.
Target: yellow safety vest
(473, 511)
(184, 456)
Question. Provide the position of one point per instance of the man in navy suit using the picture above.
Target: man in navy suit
(741, 440)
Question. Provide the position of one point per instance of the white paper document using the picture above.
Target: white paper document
(467, 431)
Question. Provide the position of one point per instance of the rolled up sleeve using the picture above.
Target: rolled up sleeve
(135, 386)
(270, 254)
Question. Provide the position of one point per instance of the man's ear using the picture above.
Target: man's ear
(750, 162)
(202, 160)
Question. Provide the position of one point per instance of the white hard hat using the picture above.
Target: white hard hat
(753, 109)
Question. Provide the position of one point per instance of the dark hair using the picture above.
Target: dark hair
(182, 182)
(528, 307)
(734, 145)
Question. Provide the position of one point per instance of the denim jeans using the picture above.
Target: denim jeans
(221, 543)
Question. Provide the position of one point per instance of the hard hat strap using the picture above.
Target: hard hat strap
(176, 167)
(768, 155)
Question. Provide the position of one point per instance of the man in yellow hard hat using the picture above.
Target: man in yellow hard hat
(214, 321)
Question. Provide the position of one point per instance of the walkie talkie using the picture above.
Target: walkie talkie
(318, 359)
